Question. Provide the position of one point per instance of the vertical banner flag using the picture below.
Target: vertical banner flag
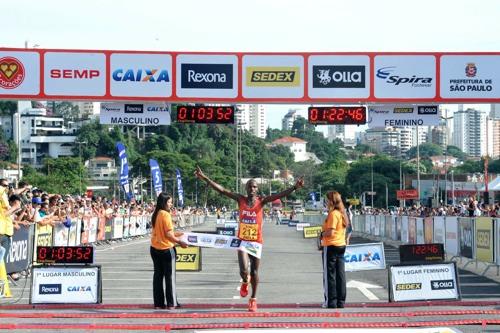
(124, 169)
(180, 191)
(156, 176)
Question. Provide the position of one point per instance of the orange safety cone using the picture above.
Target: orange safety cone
(4, 281)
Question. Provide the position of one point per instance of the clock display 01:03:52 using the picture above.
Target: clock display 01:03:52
(205, 114)
(65, 254)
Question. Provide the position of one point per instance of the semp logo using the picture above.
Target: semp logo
(207, 76)
(141, 75)
(134, 108)
(385, 73)
(74, 73)
(12, 73)
(339, 77)
(442, 284)
(49, 289)
(273, 76)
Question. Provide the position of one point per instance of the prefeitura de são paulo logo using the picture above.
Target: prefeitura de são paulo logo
(11, 73)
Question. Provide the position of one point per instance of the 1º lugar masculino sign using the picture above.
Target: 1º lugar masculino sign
(135, 114)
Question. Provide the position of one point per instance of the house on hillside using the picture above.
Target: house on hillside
(298, 148)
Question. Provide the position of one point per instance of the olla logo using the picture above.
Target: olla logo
(11, 73)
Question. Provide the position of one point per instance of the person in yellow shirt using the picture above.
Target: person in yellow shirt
(163, 240)
(333, 240)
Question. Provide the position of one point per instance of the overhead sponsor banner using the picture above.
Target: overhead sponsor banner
(273, 76)
(407, 194)
(140, 75)
(312, 232)
(360, 257)
(156, 176)
(484, 239)
(123, 176)
(52, 284)
(180, 190)
(135, 114)
(402, 115)
(339, 76)
(19, 73)
(214, 76)
(222, 242)
(405, 76)
(74, 74)
(466, 239)
(472, 76)
(188, 259)
(423, 282)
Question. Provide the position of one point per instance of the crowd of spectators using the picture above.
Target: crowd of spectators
(466, 208)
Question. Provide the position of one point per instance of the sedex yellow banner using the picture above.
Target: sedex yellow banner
(312, 232)
(188, 259)
(484, 239)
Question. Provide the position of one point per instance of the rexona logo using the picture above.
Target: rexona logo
(49, 289)
(442, 284)
(141, 75)
(273, 76)
(134, 108)
(11, 73)
(339, 77)
(207, 76)
(408, 286)
(386, 73)
(362, 257)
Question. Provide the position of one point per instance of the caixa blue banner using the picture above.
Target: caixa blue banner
(362, 257)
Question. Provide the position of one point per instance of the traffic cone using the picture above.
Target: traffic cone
(3, 278)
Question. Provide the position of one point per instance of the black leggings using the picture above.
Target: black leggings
(334, 281)
(164, 269)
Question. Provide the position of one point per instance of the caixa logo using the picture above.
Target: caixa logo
(386, 73)
(79, 288)
(49, 289)
(141, 75)
(359, 257)
(442, 284)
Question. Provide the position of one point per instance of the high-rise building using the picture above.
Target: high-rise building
(405, 139)
(336, 132)
(257, 120)
(439, 136)
(384, 140)
(495, 111)
(242, 117)
(88, 109)
(288, 119)
(495, 133)
(470, 132)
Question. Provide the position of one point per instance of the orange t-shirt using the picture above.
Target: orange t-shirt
(334, 221)
(250, 227)
(163, 225)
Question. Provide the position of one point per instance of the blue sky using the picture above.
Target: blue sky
(254, 26)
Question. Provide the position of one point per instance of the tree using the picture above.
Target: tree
(456, 152)
(426, 150)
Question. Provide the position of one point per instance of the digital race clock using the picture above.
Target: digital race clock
(65, 254)
(337, 115)
(205, 114)
(421, 252)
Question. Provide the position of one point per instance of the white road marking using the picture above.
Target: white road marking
(363, 288)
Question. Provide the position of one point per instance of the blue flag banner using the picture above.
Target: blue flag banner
(122, 154)
(180, 191)
(156, 176)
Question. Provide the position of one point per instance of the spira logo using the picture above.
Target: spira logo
(415, 81)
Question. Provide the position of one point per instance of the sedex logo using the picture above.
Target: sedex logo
(386, 73)
(339, 77)
(207, 76)
(49, 289)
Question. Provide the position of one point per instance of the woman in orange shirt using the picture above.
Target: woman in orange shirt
(163, 240)
(333, 239)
